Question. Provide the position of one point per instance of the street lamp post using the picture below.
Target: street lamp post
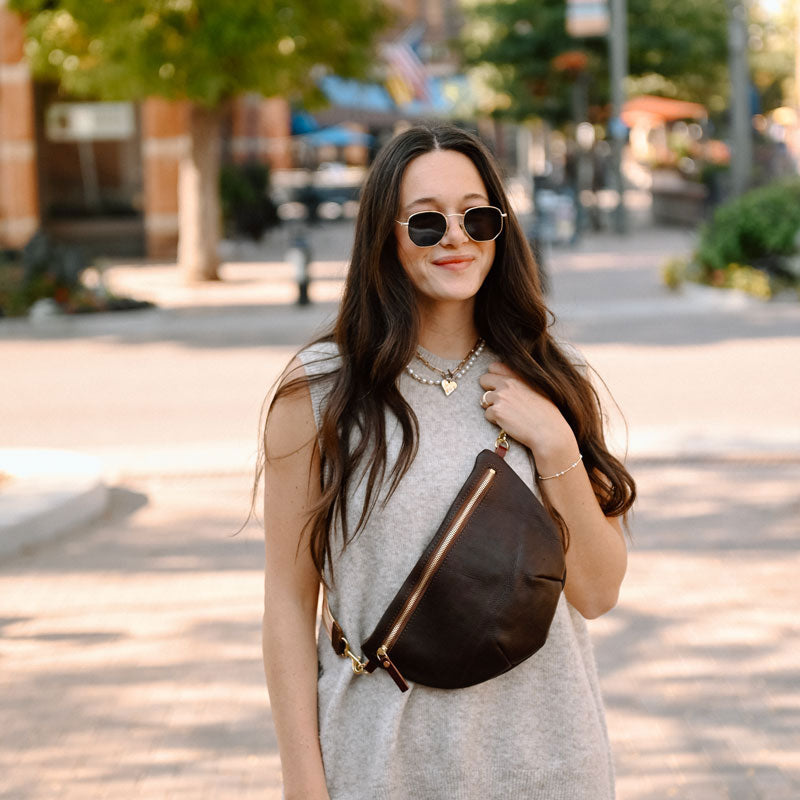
(742, 133)
(618, 56)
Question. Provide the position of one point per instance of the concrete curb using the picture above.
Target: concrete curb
(47, 493)
(684, 444)
(691, 299)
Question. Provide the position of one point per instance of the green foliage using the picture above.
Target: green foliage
(748, 279)
(677, 47)
(673, 272)
(246, 206)
(46, 269)
(202, 50)
(752, 244)
(13, 301)
(759, 228)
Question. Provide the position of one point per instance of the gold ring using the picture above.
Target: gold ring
(484, 402)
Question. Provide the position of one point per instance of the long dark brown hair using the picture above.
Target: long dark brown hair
(376, 334)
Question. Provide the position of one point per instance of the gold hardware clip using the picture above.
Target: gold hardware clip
(358, 665)
(502, 440)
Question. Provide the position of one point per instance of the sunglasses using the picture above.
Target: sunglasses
(428, 228)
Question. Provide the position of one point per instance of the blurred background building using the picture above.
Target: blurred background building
(106, 174)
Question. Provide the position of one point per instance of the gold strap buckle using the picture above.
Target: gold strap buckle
(358, 665)
(340, 645)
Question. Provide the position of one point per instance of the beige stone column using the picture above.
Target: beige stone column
(165, 139)
(19, 191)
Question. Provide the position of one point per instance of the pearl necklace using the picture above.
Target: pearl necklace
(448, 380)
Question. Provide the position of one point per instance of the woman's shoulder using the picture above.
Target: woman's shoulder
(319, 361)
(319, 358)
(291, 421)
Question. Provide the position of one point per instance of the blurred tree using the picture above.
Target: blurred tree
(205, 52)
(677, 48)
(773, 26)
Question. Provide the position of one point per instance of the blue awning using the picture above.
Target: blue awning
(303, 122)
(448, 95)
(349, 93)
(338, 136)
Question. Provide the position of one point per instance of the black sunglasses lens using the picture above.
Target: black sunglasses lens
(426, 228)
(483, 224)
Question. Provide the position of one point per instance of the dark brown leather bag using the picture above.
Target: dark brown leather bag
(481, 598)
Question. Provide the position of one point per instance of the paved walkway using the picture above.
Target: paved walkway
(131, 669)
(130, 647)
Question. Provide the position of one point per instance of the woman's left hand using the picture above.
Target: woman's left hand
(596, 558)
(527, 416)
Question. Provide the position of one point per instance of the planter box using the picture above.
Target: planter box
(677, 201)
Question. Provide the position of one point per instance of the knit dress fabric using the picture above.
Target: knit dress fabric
(537, 732)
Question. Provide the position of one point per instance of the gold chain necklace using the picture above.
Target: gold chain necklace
(449, 377)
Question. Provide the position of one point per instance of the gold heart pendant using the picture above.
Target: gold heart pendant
(449, 386)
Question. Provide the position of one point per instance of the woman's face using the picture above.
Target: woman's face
(454, 269)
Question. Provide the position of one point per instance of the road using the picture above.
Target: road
(703, 373)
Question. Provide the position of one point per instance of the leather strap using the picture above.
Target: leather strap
(334, 630)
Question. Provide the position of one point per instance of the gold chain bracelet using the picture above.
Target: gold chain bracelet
(563, 471)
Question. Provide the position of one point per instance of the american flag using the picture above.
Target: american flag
(406, 68)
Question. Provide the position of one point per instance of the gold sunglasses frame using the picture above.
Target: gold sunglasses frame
(405, 224)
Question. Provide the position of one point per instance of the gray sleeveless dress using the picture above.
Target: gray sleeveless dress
(537, 732)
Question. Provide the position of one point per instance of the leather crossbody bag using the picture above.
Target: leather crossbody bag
(481, 598)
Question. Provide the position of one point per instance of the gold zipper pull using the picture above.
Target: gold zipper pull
(387, 664)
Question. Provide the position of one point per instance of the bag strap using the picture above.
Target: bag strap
(335, 633)
(340, 645)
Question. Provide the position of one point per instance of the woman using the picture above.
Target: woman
(441, 337)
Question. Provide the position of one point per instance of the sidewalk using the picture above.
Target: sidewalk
(131, 656)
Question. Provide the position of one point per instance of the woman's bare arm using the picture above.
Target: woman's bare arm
(597, 557)
(291, 480)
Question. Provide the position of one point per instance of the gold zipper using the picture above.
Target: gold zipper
(413, 599)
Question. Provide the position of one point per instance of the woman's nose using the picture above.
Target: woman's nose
(455, 233)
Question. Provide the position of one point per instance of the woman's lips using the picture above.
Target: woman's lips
(452, 261)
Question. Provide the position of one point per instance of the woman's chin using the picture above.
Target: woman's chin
(453, 293)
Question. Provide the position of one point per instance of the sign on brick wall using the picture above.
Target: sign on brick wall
(82, 122)
(587, 18)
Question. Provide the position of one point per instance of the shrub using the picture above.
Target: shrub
(759, 229)
(42, 269)
(673, 272)
(45, 268)
(752, 243)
